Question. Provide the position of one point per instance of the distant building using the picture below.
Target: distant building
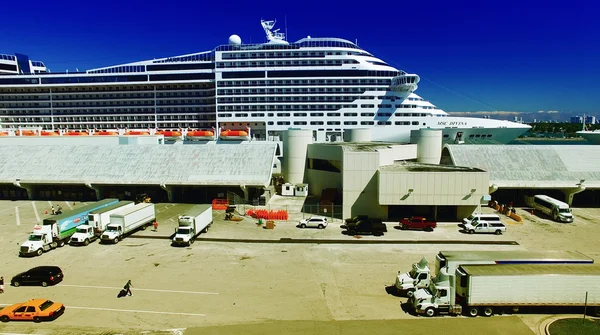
(589, 119)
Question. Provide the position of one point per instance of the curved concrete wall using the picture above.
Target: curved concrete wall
(357, 135)
(429, 146)
(295, 145)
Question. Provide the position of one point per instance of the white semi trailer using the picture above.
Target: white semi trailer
(195, 221)
(491, 289)
(97, 222)
(128, 220)
(421, 276)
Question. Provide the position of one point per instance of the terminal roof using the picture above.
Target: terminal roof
(221, 164)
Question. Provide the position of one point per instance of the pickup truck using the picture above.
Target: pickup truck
(417, 222)
(368, 226)
(485, 227)
(357, 218)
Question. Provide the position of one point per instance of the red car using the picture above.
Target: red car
(417, 222)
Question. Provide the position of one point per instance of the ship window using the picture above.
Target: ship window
(366, 122)
(415, 123)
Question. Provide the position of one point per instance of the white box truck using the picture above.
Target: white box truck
(491, 289)
(420, 276)
(97, 222)
(128, 220)
(195, 221)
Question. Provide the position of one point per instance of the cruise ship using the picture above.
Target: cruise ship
(237, 90)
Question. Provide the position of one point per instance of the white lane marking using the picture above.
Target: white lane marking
(17, 216)
(69, 205)
(138, 289)
(37, 216)
(126, 310)
(133, 311)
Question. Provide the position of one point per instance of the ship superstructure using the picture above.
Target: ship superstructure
(328, 85)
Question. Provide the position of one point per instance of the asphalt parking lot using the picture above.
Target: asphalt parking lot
(293, 279)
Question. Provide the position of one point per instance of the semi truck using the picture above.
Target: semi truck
(125, 221)
(97, 222)
(56, 230)
(495, 289)
(195, 221)
(420, 276)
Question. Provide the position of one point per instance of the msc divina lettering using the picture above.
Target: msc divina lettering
(251, 91)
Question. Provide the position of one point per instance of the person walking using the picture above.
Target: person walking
(1, 284)
(127, 287)
(155, 225)
(53, 211)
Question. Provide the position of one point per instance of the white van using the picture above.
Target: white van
(491, 218)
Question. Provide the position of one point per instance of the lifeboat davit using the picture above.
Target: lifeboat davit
(206, 135)
(76, 133)
(137, 132)
(49, 133)
(168, 133)
(105, 133)
(234, 135)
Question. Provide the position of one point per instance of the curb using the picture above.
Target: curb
(331, 241)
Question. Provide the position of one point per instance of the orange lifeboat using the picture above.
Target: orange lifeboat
(26, 133)
(3, 133)
(49, 133)
(168, 133)
(76, 133)
(105, 133)
(234, 135)
(137, 132)
(200, 135)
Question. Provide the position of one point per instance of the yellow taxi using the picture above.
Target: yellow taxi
(36, 310)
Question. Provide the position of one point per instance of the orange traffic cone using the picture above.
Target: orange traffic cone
(46, 212)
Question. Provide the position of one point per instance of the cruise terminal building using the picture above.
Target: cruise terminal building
(387, 180)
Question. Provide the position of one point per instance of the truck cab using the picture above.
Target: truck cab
(39, 241)
(184, 235)
(84, 234)
(438, 298)
(112, 233)
(418, 277)
(477, 226)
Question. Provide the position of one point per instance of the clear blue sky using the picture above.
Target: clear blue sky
(471, 55)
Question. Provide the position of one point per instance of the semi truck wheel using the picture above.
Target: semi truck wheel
(53, 245)
(488, 311)
(116, 240)
(39, 252)
(430, 311)
(86, 242)
(473, 311)
(61, 243)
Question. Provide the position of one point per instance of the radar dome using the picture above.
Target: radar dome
(235, 40)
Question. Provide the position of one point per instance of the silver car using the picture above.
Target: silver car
(314, 222)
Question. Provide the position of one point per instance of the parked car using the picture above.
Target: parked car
(314, 222)
(417, 222)
(485, 227)
(369, 226)
(40, 275)
(36, 310)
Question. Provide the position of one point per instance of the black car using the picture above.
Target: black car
(40, 275)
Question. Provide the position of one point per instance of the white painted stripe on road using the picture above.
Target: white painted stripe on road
(37, 216)
(17, 216)
(69, 205)
(138, 289)
(133, 311)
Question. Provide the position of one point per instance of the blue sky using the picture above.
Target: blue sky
(471, 55)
